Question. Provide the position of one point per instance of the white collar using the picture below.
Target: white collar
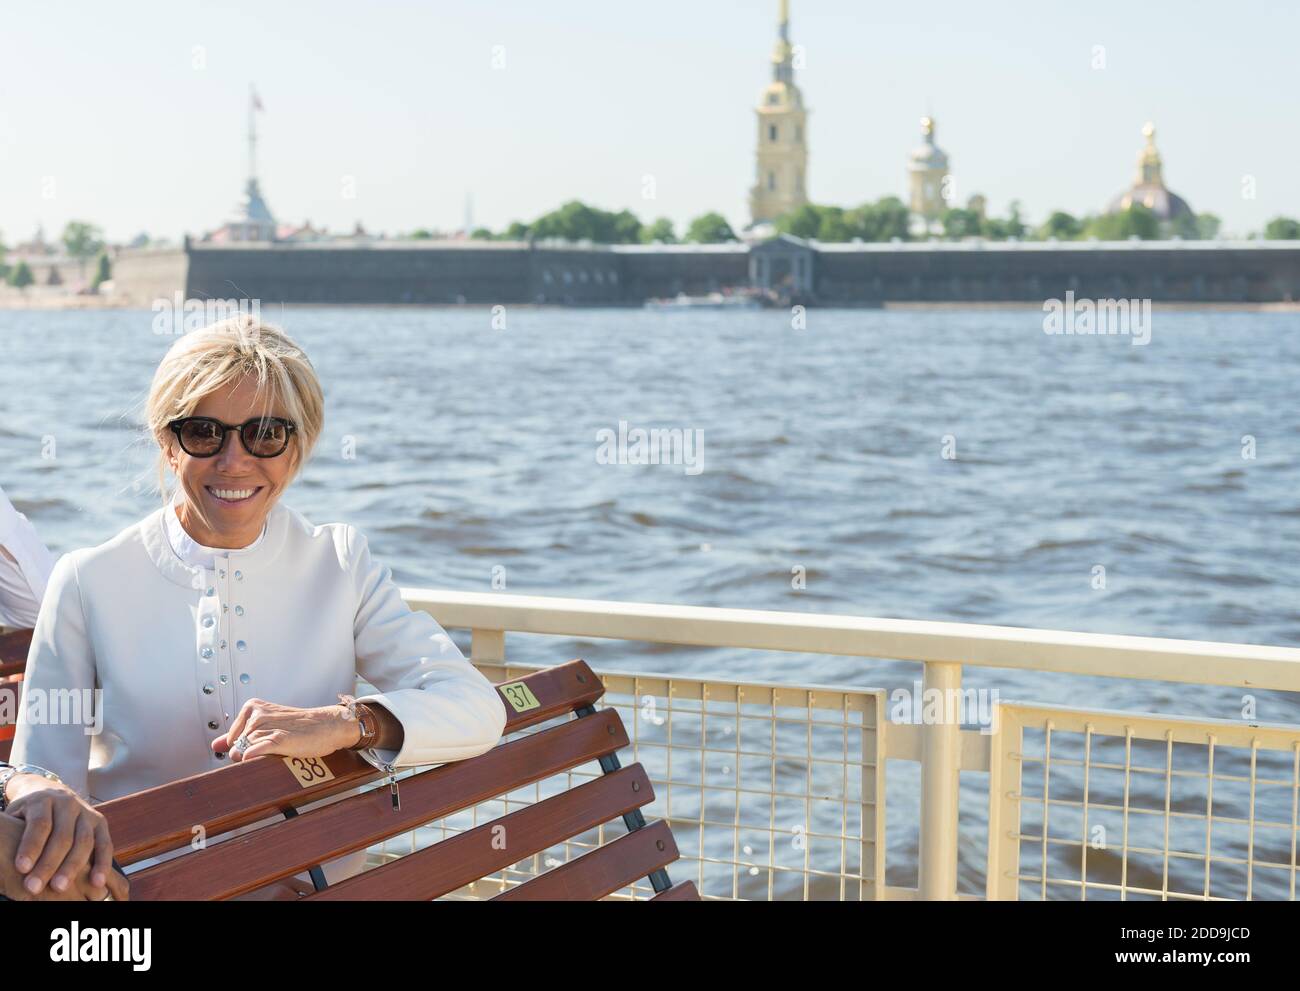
(189, 550)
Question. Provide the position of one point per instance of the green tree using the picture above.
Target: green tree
(1207, 226)
(1282, 229)
(804, 222)
(884, 220)
(1185, 226)
(576, 221)
(481, 234)
(82, 241)
(1136, 221)
(959, 222)
(710, 228)
(660, 230)
(516, 232)
(1000, 230)
(421, 234)
(103, 271)
(835, 226)
(20, 277)
(625, 228)
(1061, 226)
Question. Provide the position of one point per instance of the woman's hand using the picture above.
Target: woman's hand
(285, 731)
(11, 882)
(61, 835)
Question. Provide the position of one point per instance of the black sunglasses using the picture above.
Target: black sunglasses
(204, 437)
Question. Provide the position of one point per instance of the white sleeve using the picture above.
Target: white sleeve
(55, 713)
(448, 710)
(25, 566)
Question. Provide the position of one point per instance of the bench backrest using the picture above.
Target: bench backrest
(13, 659)
(165, 818)
(170, 816)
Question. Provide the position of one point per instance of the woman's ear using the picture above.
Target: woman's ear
(169, 453)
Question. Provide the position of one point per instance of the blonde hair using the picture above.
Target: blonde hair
(220, 356)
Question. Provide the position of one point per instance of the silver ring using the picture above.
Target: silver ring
(241, 744)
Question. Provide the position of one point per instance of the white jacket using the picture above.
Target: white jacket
(295, 618)
(25, 565)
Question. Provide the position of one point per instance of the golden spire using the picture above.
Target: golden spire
(1150, 169)
(782, 55)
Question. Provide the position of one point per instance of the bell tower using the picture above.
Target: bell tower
(927, 169)
(782, 159)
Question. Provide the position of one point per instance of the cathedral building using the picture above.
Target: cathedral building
(927, 172)
(782, 159)
(1149, 189)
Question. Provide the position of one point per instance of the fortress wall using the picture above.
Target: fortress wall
(1190, 275)
(144, 275)
(599, 275)
(303, 274)
(576, 276)
(657, 274)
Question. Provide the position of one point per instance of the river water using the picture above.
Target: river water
(946, 465)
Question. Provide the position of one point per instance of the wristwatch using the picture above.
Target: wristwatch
(7, 771)
(365, 718)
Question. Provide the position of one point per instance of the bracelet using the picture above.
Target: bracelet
(8, 770)
(365, 717)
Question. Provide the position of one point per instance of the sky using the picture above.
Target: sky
(132, 115)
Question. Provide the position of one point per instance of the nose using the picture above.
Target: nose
(234, 459)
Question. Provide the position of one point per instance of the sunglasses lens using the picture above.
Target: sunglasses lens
(200, 437)
(266, 438)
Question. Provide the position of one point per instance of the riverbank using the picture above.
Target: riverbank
(19, 299)
(15, 300)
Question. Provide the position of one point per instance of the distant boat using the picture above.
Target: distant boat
(744, 300)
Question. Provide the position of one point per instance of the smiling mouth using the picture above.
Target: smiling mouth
(232, 496)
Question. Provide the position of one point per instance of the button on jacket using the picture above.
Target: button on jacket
(294, 618)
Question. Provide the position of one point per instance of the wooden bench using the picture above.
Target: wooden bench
(162, 819)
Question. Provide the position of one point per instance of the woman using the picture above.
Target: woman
(225, 626)
(25, 566)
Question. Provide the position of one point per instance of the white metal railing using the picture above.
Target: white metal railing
(772, 792)
(942, 748)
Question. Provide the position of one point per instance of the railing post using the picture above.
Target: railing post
(487, 646)
(940, 776)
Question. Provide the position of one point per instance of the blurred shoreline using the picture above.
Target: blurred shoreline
(17, 301)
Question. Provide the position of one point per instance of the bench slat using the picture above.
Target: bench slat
(602, 871)
(10, 690)
(457, 860)
(683, 891)
(13, 651)
(161, 819)
(243, 863)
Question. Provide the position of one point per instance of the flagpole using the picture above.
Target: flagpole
(252, 133)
